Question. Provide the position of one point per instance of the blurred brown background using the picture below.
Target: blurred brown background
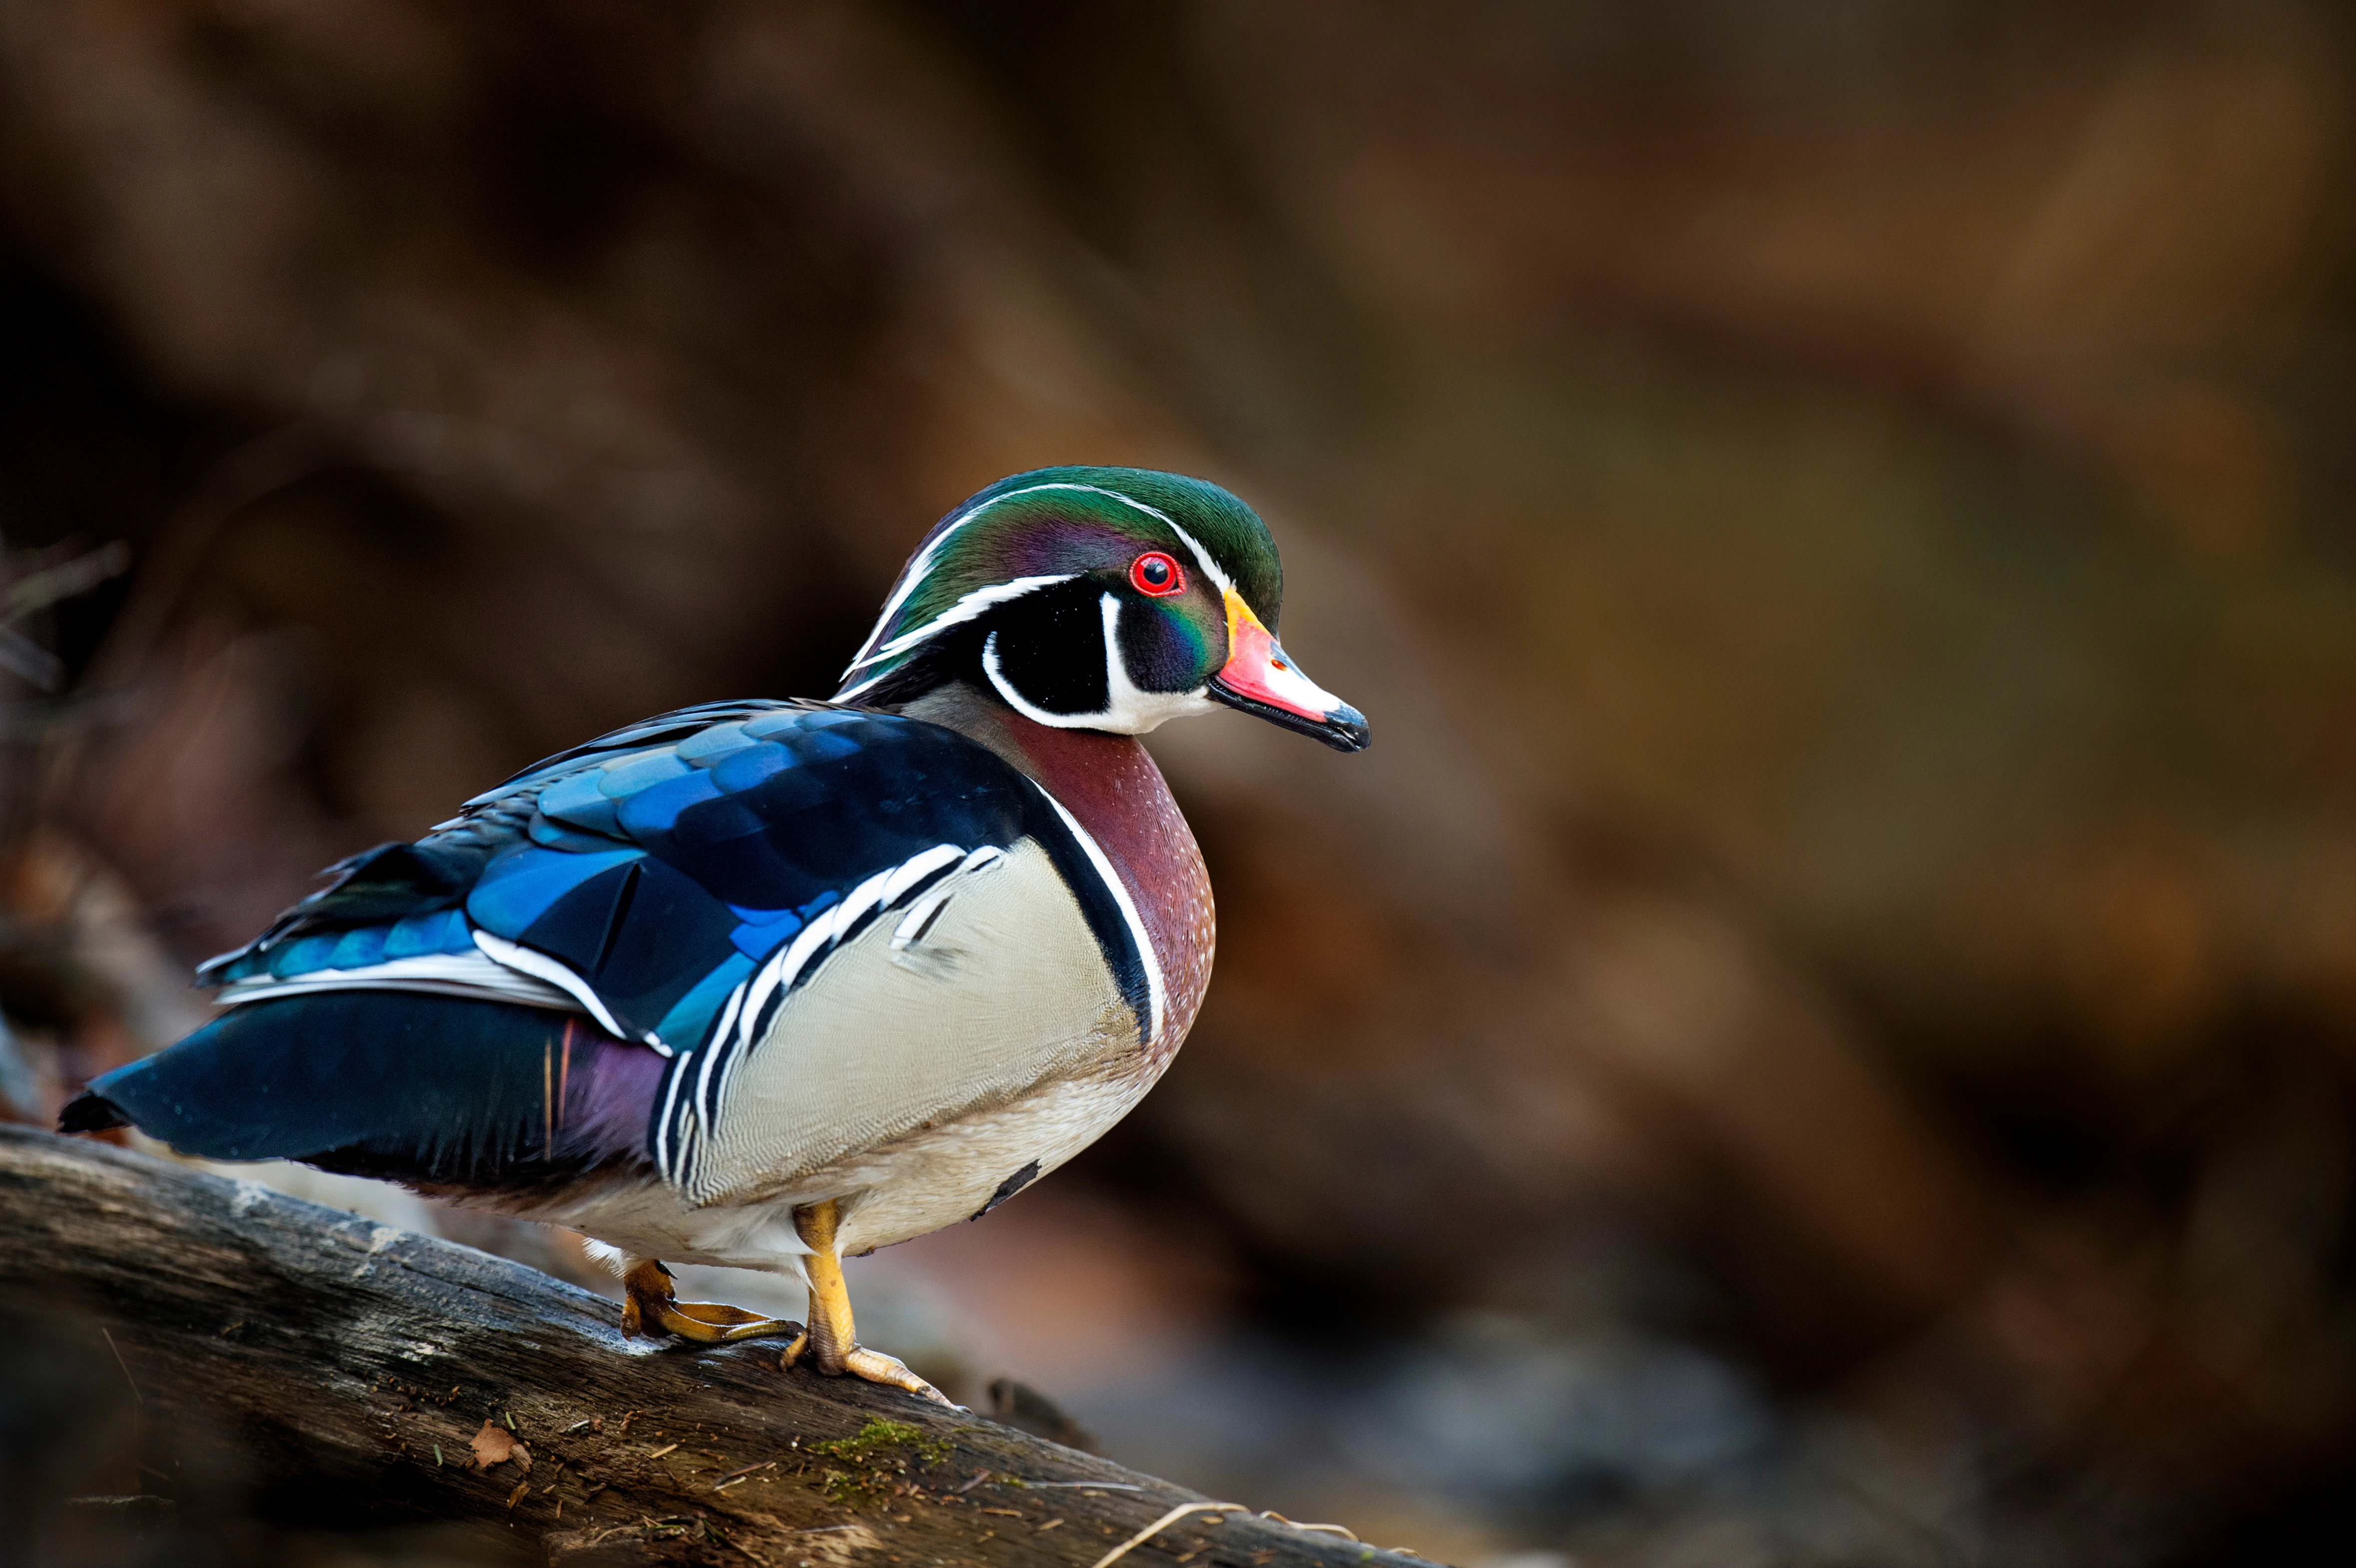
(1825, 1029)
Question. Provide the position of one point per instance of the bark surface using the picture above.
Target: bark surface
(316, 1370)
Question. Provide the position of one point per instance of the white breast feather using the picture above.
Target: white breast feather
(1006, 991)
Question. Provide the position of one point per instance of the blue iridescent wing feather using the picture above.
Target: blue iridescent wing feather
(659, 865)
(662, 862)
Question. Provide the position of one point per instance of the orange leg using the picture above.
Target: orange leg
(828, 1346)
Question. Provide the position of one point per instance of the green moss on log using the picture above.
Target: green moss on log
(877, 1456)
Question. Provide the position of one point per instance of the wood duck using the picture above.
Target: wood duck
(765, 984)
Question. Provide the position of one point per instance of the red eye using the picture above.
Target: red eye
(1157, 574)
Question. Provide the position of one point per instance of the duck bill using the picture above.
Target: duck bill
(1260, 678)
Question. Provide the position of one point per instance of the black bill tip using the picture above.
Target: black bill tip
(1345, 729)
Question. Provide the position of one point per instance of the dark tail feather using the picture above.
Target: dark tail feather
(407, 1085)
(88, 1113)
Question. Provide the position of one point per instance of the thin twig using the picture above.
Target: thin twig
(1159, 1525)
(125, 1365)
(735, 1475)
(1328, 1528)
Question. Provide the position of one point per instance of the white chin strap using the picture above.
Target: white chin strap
(1126, 711)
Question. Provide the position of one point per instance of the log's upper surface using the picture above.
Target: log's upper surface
(341, 1370)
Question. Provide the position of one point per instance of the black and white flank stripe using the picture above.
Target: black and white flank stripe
(697, 1086)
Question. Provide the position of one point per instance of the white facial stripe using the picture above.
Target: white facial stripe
(1201, 557)
(914, 573)
(1128, 710)
(972, 604)
(1015, 699)
(964, 610)
(922, 564)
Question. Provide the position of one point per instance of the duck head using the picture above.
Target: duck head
(1111, 599)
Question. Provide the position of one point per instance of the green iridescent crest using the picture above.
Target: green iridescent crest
(1034, 531)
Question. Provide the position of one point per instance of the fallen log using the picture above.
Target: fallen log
(300, 1366)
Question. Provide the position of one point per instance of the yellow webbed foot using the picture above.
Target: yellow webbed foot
(871, 1366)
(828, 1346)
(876, 1367)
(649, 1308)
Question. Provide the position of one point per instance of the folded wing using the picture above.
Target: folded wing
(832, 922)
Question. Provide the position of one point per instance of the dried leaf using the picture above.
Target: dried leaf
(495, 1444)
(516, 1496)
(492, 1446)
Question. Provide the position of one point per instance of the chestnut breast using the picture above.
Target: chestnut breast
(1111, 783)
